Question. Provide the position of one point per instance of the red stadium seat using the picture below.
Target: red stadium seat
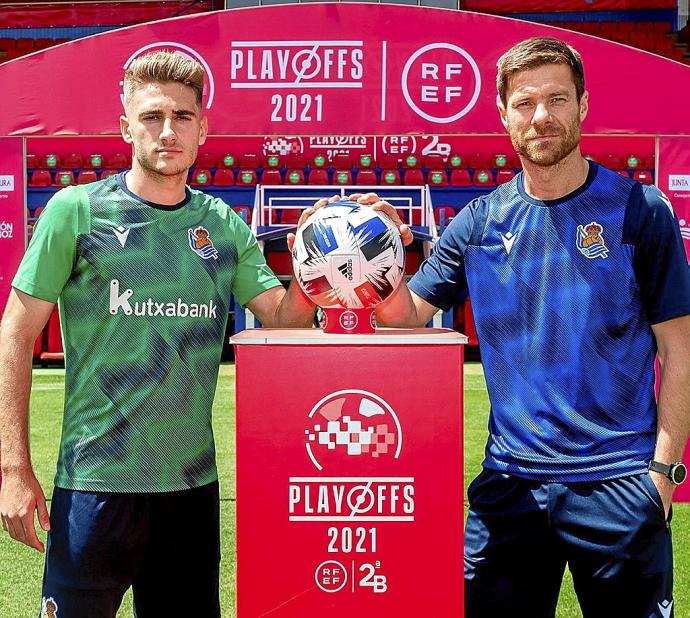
(118, 161)
(31, 161)
(468, 326)
(54, 339)
(25, 43)
(38, 211)
(246, 178)
(456, 161)
(443, 215)
(319, 160)
(437, 178)
(63, 178)
(290, 216)
(73, 161)
(650, 162)
(227, 161)
(460, 178)
(224, 177)
(483, 178)
(341, 161)
(612, 161)
(249, 160)
(244, 212)
(434, 162)
(94, 161)
(206, 160)
(38, 346)
(390, 177)
(504, 176)
(387, 162)
(413, 177)
(623, 173)
(86, 176)
(106, 173)
(500, 161)
(41, 178)
(271, 177)
(412, 162)
(295, 160)
(366, 177)
(342, 177)
(296, 177)
(272, 161)
(50, 161)
(478, 161)
(201, 178)
(364, 161)
(318, 177)
(644, 177)
(632, 162)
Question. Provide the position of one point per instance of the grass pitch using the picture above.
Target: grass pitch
(21, 568)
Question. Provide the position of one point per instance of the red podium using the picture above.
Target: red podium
(349, 473)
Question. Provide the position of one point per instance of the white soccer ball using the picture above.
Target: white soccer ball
(347, 255)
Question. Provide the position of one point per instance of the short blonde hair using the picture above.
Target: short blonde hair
(536, 52)
(163, 67)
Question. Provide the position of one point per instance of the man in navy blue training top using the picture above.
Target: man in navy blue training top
(577, 277)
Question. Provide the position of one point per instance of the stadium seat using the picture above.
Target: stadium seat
(483, 178)
(227, 161)
(31, 161)
(54, 339)
(443, 215)
(500, 161)
(40, 178)
(478, 161)
(106, 173)
(206, 160)
(650, 162)
(295, 160)
(413, 177)
(50, 161)
(319, 160)
(644, 177)
(290, 216)
(623, 173)
(460, 178)
(94, 161)
(504, 176)
(272, 161)
(456, 161)
(38, 211)
(632, 162)
(318, 177)
(250, 161)
(341, 161)
(118, 161)
(468, 325)
(296, 177)
(63, 178)
(437, 178)
(271, 177)
(86, 176)
(38, 346)
(366, 177)
(387, 162)
(201, 178)
(342, 177)
(246, 178)
(612, 161)
(364, 161)
(434, 162)
(73, 161)
(390, 177)
(244, 212)
(412, 162)
(224, 177)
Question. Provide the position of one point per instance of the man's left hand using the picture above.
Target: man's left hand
(665, 488)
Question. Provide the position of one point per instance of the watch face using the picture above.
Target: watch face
(678, 473)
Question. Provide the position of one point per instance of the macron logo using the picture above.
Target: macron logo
(665, 608)
(152, 308)
(508, 239)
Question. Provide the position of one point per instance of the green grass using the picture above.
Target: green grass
(21, 568)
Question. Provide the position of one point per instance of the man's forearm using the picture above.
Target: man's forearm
(295, 309)
(15, 387)
(674, 408)
(399, 310)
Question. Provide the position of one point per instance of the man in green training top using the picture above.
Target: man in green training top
(143, 269)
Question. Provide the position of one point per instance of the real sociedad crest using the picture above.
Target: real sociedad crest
(201, 244)
(590, 241)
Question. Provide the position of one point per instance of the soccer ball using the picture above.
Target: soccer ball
(347, 255)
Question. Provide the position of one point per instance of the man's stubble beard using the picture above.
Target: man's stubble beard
(570, 139)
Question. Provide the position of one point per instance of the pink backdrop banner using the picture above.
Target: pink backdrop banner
(12, 212)
(315, 70)
(547, 6)
(673, 178)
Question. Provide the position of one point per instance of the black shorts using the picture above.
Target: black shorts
(166, 546)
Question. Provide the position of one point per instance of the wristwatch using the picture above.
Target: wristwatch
(677, 471)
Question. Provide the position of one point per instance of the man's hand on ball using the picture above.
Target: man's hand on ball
(373, 200)
(308, 212)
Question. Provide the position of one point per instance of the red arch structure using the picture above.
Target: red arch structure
(336, 77)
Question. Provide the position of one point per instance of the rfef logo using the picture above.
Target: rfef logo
(6, 183)
(441, 82)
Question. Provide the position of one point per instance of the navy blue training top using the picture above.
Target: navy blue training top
(564, 293)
